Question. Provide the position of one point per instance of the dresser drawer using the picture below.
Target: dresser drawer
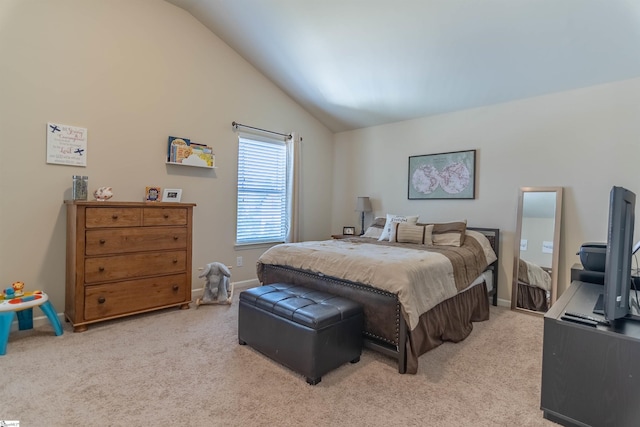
(165, 216)
(114, 241)
(103, 269)
(113, 217)
(125, 258)
(115, 299)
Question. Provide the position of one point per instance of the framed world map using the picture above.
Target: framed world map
(443, 176)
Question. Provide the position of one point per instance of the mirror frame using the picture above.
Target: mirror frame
(556, 246)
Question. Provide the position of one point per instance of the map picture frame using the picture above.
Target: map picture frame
(442, 176)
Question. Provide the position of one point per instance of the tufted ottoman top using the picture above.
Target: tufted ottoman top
(307, 307)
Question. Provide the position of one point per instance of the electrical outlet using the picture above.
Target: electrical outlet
(239, 261)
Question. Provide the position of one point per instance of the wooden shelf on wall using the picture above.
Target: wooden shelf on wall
(193, 166)
(184, 152)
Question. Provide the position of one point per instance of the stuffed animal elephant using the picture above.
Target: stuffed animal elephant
(217, 288)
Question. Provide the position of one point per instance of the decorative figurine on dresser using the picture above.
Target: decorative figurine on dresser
(126, 258)
(103, 193)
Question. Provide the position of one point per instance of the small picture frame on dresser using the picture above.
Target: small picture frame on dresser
(152, 194)
(172, 195)
(348, 231)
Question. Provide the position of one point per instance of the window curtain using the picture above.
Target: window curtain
(294, 156)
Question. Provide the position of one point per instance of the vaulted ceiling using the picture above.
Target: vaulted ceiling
(360, 63)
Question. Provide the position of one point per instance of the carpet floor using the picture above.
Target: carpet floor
(185, 367)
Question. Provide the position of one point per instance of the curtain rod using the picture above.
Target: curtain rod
(237, 125)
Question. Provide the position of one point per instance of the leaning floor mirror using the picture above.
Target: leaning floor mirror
(536, 253)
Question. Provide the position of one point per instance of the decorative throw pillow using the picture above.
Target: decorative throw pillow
(391, 219)
(428, 234)
(379, 222)
(428, 240)
(410, 233)
(449, 234)
(373, 232)
(375, 229)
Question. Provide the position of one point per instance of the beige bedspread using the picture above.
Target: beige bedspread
(421, 276)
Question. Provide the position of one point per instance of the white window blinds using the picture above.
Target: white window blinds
(262, 191)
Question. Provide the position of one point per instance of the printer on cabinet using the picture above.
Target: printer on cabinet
(593, 256)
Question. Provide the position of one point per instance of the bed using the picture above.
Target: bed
(401, 320)
(534, 286)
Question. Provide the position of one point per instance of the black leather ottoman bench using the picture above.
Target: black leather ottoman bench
(310, 332)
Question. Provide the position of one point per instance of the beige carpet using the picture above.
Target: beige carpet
(185, 368)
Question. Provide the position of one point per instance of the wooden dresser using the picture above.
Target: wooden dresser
(125, 258)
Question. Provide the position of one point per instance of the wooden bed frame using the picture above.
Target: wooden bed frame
(385, 329)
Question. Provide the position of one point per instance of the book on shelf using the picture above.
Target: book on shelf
(185, 151)
(204, 152)
(175, 143)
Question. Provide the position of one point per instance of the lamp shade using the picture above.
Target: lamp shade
(363, 204)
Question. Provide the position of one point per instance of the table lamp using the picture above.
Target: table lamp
(363, 204)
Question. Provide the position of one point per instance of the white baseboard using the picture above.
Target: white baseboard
(40, 321)
(504, 302)
(246, 284)
(237, 286)
(195, 293)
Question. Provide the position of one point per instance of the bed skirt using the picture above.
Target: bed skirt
(531, 298)
(451, 320)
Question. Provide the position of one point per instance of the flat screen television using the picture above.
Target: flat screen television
(617, 272)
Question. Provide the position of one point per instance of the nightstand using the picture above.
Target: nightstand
(342, 236)
(579, 273)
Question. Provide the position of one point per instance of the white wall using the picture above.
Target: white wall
(135, 72)
(536, 231)
(585, 141)
(132, 73)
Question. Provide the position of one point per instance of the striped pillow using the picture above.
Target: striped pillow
(450, 233)
(391, 220)
(410, 233)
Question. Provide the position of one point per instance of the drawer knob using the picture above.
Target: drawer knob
(102, 241)
(175, 237)
(101, 300)
(175, 260)
(176, 287)
(166, 216)
(100, 268)
(114, 216)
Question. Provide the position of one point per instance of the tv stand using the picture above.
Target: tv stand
(633, 307)
(590, 374)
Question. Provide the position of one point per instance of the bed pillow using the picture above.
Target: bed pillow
(449, 233)
(379, 222)
(410, 233)
(391, 219)
(428, 239)
(375, 229)
(373, 232)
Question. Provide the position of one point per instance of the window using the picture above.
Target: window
(262, 191)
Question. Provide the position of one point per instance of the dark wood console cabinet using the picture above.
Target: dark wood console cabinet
(578, 273)
(590, 375)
